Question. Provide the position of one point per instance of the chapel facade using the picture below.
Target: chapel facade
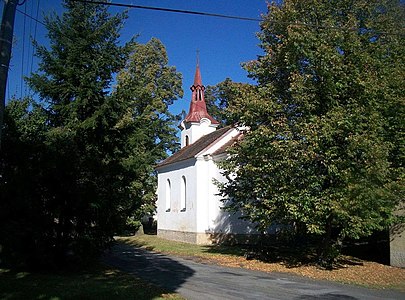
(189, 207)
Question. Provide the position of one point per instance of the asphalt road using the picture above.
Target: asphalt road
(205, 281)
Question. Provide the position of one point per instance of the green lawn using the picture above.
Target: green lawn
(99, 283)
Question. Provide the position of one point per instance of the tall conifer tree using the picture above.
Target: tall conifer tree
(83, 159)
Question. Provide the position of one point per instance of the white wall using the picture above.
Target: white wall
(194, 131)
(203, 204)
(221, 221)
(204, 197)
(175, 219)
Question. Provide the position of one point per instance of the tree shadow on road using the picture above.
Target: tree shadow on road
(155, 268)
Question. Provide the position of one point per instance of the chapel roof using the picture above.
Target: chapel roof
(193, 149)
(230, 143)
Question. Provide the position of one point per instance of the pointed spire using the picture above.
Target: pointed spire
(197, 76)
(198, 107)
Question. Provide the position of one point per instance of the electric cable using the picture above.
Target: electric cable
(211, 15)
(34, 39)
(31, 17)
(190, 12)
(23, 53)
(30, 46)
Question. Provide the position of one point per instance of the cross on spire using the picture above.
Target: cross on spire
(198, 57)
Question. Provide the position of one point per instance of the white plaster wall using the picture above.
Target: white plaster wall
(203, 204)
(196, 130)
(210, 217)
(221, 221)
(397, 240)
(175, 219)
(203, 194)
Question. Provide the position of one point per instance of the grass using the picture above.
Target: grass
(98, 283)
(154, 243)
(352, 270)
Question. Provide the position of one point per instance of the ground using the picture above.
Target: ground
(203, 272)
(352, 270)
(205, 280)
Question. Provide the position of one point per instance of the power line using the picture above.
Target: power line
(210, 15)
(31, 17)
(23, 50)
(224, 16)
(34, 38)
(27, 68)
(190, 12)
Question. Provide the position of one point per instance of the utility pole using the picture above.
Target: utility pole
(6, 39)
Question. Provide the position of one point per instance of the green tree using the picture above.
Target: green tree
(224, 100)
(22, 221)
(325, 150)
(78, 165)
(145, 89)
(81, 196)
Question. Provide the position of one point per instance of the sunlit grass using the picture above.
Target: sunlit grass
(98, 283)
(154, 243)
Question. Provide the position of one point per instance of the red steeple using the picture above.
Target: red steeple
(198, 108)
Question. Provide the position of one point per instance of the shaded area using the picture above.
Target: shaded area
(156, 268)
(149, 226)
(230, 229)
(277, 245)
(303, 250)
(374, 248)
(291, 249)
(98, 283)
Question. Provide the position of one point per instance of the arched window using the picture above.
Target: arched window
(168, 195)
(187, 140)
(183, 195)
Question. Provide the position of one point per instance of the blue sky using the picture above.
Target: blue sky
(223, 43)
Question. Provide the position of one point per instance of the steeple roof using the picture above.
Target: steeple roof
(198, 107)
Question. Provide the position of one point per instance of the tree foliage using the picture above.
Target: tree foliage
(146, 87)
(325, 150)
(77, 165)
(225, 99)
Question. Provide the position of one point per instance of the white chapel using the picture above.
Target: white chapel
(188, 205)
